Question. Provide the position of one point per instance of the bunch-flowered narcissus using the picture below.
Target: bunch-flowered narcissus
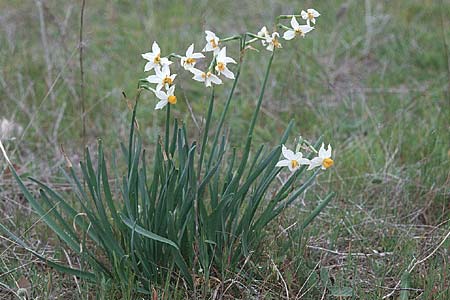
(297, 30)
(292, 161)
(191, 58)
(166, 97)
(154, 58)
(272, 41)
(323, 159)
(207, 77)
(162, 78)
(212, 42)
(310, 15)
(221, 63)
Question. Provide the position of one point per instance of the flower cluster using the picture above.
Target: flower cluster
(218, 67)
(294, 160)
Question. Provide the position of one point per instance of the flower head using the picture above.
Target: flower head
(190, 59)
(324, 159)
(221, 63)
(154, 58)
(272, 41)
(292, 161)
(212, 42)
(297, 29)
(165, 97)
(310, 15)
(207, 77)
(162, 78)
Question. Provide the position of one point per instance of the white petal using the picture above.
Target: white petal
(198, 77)
(222, 54)
(294, 23)
(315, 162)
(197, 55)
(289, 35)
(283, 163)
(171, 91)
(165, 61)
(153, 79)
(287, 153)
(298, 156)
(214, 79)
(313, 20)
(322, 152)
(161, 95)
(148, 56)
(148, 66)
(155, 48)
(304, 15)
(208, 48)
(270, 47)
(305, 28)
(195, 71)
(328, 152)
(229, 60)
(314, 12)
(190, 50)
(161, 104)
(227, 73)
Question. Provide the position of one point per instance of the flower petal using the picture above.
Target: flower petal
(322, 152)
(155, 48)
(283, 163)
(227, 73)
(294, 23)
(315, 162)
(161, 104)
(288, 154)
(289, 35)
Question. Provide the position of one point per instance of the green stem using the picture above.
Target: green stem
(286, 17)
(166, 141)
(231, 38)
(254, 118)
(227, 105)
(205, 133)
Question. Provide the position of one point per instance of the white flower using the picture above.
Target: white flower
(310, 15)
(292, 161)
(207, 77)
(154, 58)
(165, 98)
(221, 63)
(297, 29)
(162, 78)
(272, 41)
(190, 59)
(212, 42)
(324, 159)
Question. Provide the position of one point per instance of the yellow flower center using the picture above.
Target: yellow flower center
(204, 75)
(167, 80)
(172, 99)
(190, 60)
(157, 59)
(276, 43)
(213, 43)
(294, 164)
(220, 66)
(298, 31)
(327, 162)
(310, 16)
